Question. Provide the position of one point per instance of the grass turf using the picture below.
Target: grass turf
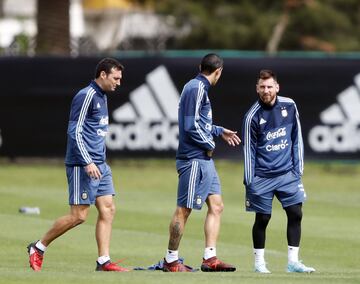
(146, 198)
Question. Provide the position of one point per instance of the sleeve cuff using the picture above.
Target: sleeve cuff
(217, 130)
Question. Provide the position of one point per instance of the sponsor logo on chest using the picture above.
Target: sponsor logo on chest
(104, 120)
(276, 134)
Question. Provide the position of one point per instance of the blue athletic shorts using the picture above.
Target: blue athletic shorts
(83, 189)
(287, 188)
(197, 180)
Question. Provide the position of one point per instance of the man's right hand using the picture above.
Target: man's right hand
(230, 137)
(93, 171)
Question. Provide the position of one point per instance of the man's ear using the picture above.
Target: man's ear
(103, 74)
(218, 71)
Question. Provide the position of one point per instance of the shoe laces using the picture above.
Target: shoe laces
(216, 263)
(299, 265)
(261, 266)
(37, 255)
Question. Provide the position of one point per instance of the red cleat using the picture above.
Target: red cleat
(110, 266)
(35, 257)
(176, 266)
(213, 264)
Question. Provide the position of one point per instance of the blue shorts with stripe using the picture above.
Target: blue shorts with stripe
(287, 188)
(83, 189)
(197, 180)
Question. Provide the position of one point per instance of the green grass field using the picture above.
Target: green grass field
(146, 194)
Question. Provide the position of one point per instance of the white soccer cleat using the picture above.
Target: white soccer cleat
(261, 268)
(299, 267)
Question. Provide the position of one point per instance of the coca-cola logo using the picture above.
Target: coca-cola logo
(276, 134)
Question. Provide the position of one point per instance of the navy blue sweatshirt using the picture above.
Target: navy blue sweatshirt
(272, 140)
(87, 128)
(196, 130)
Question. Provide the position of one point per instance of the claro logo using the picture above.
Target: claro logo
(150, 119)
(277, 147)
(340, 131)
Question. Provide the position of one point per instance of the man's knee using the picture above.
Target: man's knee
(77, 220)
(294, 212)
(262, 220)
(108, 210)
(182, 212)
(79, 214)
(106, 207)
(217, 208)
(215, 204)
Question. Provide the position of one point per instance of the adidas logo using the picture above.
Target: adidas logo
(149, 119)
(262, 121)
(340, 132)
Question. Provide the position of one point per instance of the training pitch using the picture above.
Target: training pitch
(146, 199)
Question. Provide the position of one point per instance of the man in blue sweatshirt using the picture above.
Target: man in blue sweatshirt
(89, 177)
(198, 179)
(273, 157)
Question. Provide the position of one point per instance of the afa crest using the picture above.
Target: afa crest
(84, 195)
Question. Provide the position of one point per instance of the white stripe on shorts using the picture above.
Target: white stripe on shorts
(76, 185)
(192, 183)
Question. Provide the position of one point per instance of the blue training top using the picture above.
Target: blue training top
(196, 130)
(272, 140)
(87, 128)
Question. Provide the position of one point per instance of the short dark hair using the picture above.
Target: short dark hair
(210, 63)
(267, 74)
(106, 64)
